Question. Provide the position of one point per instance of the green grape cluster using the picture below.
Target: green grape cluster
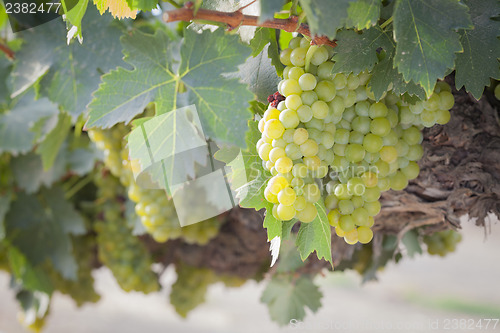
(82, 289)
(191, 286)
(442, 242)
(325, 135)
(118, 249)
(156, 211)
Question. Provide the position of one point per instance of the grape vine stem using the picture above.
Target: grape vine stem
(237, 18)
(8, 52)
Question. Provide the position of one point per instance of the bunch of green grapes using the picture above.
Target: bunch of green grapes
(442, 242)
(118, 249)
(156, 211)
(4, 261)
(82, 289)
(191, 286)
(323, 128)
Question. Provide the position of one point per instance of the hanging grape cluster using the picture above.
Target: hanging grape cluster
(442, 242)
(325, 135)
(118, 249)
(156, 211)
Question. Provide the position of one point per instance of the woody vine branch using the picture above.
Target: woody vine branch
(237, 18)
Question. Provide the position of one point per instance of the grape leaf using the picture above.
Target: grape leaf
(261, 38)
(144, 5)
(31, 278)
(68, 74)
(49, 147)
(82, 160)
(16, 124)
(426, 39)
(363, 14)
(383, 74)
(356, 52)
(287, 299)
(268, 8)
(3, 16)
(74, 16)
(220, 102)
(117, 8)
(40, 227)
(29, 173)
(272, 224)
(325, 16)
(316, 236)
(249, 180)
(274, 53)
(259, 74)
(479, 62)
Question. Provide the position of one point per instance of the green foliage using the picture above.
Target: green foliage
(74, 14)
(412, 244)
(325, 17)
(363, 14)
(316, 236)
(50, 146)
(357, 52)
(479, 60)
(287, 299)
(260, 75)
(204, 57)
(40, 227)
(67, 75)
(16, 134)
(268, 8)
(425, 32)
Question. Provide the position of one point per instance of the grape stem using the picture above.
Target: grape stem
(8, 52)
(237, 18)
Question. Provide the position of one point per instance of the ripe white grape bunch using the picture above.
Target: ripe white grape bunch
(325, 136)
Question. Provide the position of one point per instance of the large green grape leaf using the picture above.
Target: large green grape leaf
(261, 38)
(260, 75)
(222, 103)
(268, 8)
(363, 14)
(287, 299)
(325, 16)
(425, 32)
(67, 75)
(479, 61)
(316, 236)
(16, 124)
(356, 52)
(40, 227)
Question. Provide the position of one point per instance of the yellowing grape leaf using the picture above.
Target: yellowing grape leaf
(117, 8)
